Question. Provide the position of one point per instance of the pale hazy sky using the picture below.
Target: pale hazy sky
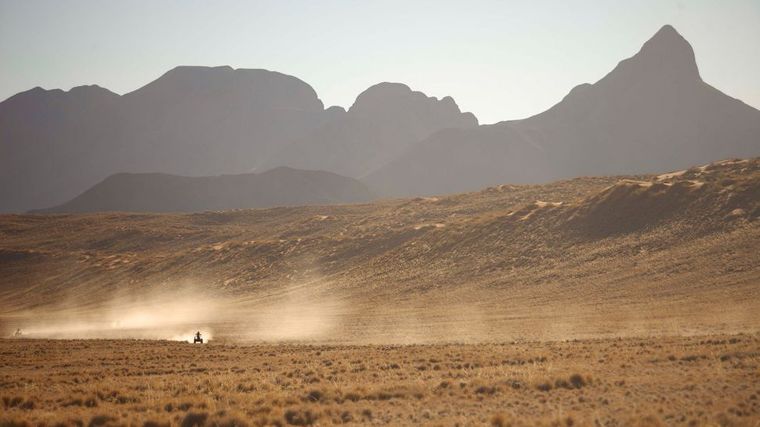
(499, 59)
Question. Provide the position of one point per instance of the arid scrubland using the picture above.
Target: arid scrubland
(593, 301)
(707, 380)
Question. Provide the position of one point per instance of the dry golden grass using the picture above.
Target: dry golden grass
(709, 380)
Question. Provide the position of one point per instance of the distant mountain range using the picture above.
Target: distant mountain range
(652, 112)
(155, 192)
(199, 121)
(193, 121)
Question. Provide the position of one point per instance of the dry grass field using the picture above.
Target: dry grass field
(708, 380)
(592, 301)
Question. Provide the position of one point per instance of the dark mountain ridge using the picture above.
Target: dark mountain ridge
(157, 192)
(200, 121)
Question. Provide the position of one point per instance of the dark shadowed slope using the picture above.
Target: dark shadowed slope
(652, 112)
(385, 120)
(152, 192)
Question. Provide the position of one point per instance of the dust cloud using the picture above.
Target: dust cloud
(174, 315)
(294, 314)
(298, 317)
(308, 312)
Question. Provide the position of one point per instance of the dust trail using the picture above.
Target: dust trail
(174, 315)
(313, 311)
(299, 313)
(294, 313)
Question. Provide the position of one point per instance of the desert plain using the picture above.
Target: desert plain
(626, 300)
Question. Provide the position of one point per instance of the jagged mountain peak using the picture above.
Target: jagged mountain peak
(666, 56)
(651, 112)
